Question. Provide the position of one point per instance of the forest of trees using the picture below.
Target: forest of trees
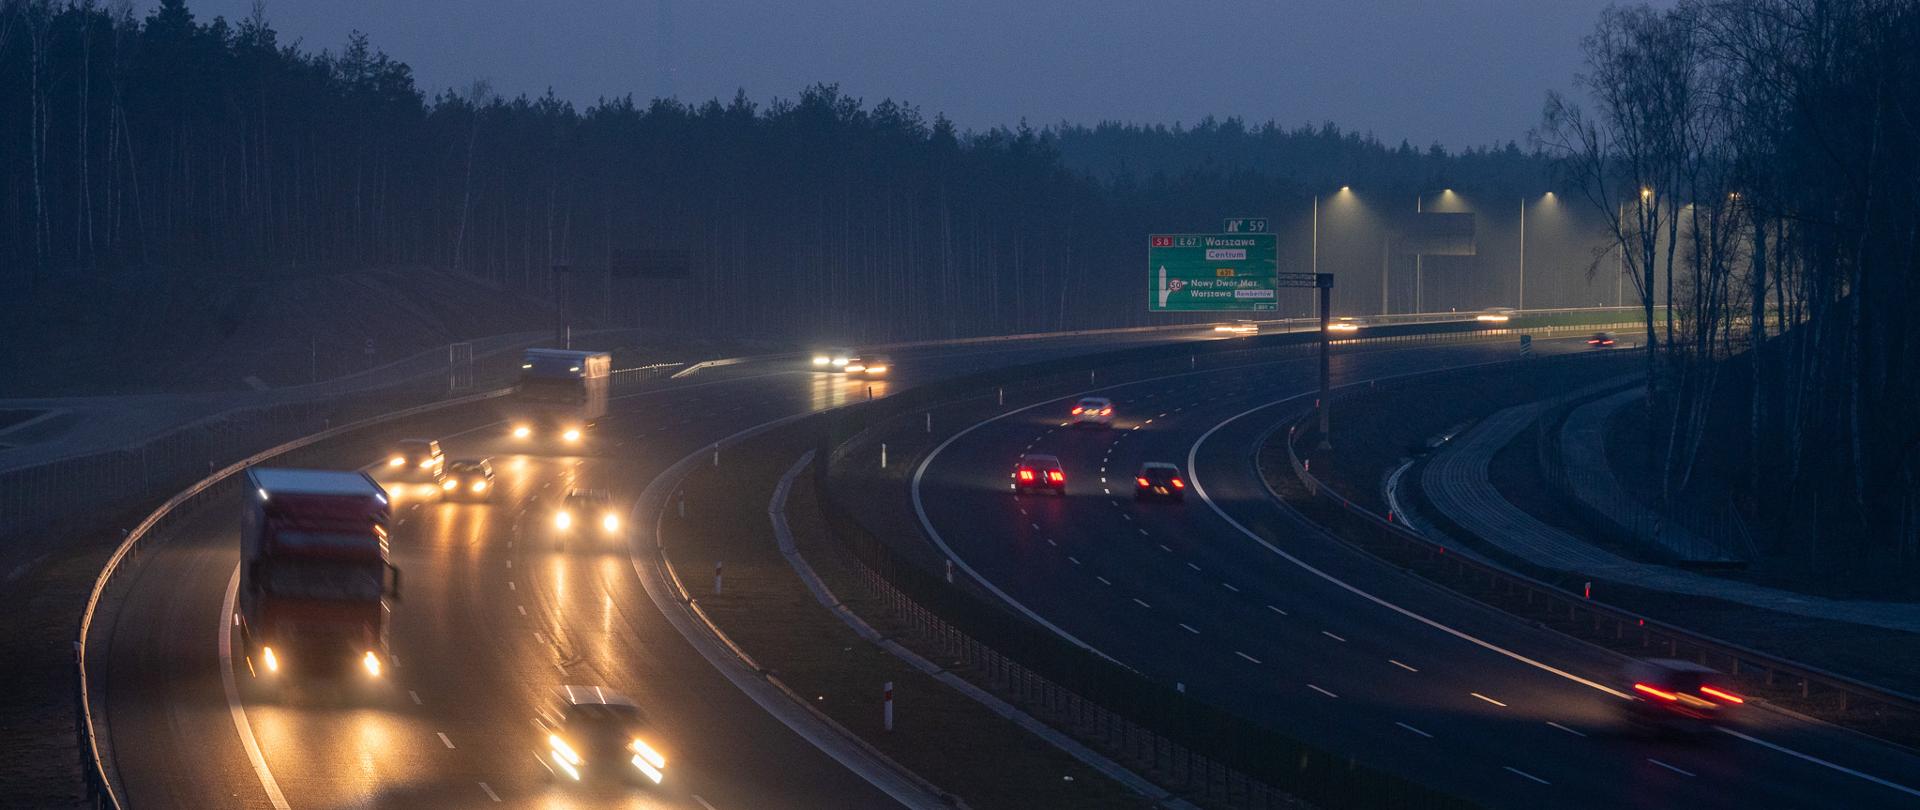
(1759, 164)
(169, 144)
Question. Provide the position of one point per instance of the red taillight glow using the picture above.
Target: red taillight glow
(1106, 411)
(1722, 694)
(1056, 476)
(1659, 693)
(1025, 474)
(1143, 482)
(1179, 484)
(1077, 409)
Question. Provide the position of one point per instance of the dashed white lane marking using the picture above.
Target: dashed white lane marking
(1140, 603)
(1488, 699)
(1103, 580)
(1565, 729)
(703, 802)
(415, 696)
(1277, 610)
(1402, 666)
(510, 586)
(509, 563)
(1246, 656)
(1073, 559)
(523, 609)
(443, 739)
(1331, 636)
(1681, 771)
(1165, 548)
(1143, 533)
(540, 638)
(1192, 566)
(1526, 775)
(1126, 517)
(1414, 730)
(1023, 511)
(1229, 586)
(1036, 526)
(489, 791)
(1322, 691)
(1189, 629)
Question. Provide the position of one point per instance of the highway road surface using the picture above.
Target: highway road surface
(1232, 597)
(494, 616)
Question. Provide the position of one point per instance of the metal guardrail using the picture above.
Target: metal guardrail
(1564, 607)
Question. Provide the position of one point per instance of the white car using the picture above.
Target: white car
(1093, 411)
(833, 358)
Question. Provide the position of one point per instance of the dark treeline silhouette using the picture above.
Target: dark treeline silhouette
(170, 145)
(1759, 163)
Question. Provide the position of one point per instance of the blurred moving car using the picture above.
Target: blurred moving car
(870, 366)
(1158, 479)
(1601, 340)
(1040, 474)
(584, 510)
(835, 357)
(416, 460)
(1496, 315)
(1093, 411)
(602, 736)
(1238, 328)
(1671, 696)
(1344, 324)
(467, 480)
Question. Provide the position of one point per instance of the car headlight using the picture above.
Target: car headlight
(522, 431)
(425, 463)
(372, 663)
(449, 485)
(610, 523)
(876, 369)
(649, 761)
(479, 486)
(821, 359)
(572, 435)
(562, 520)
(397, 461)
(564, 756)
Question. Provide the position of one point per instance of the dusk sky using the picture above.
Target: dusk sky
(1460, 72)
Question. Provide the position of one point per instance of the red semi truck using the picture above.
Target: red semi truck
(315, 583)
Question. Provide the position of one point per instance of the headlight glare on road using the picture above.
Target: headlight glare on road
(372, 663)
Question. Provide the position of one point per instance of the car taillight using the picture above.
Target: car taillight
(1026, 475)
(1056, 476)
(1659, 693)
(1077, 409)
(1179, 484)
(1722, 694)
(1106, 411)
(1143, 482)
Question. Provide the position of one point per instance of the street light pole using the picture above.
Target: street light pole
(1417, 278)
(1523, 254)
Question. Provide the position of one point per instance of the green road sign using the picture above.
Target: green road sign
(1211, 272)
(1245, 225)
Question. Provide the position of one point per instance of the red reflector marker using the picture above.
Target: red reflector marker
(1659, 693)
(1721, 694)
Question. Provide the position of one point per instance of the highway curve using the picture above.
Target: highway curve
(494, 615)
(1251, 609)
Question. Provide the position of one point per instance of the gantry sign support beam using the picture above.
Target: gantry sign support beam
(1324, 283)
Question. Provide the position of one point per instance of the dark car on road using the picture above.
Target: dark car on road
(467, 480)
(601, 736)
(1672, 696)
(416, 460)
(1040, 474)
(1158, 479)
(1601, 340)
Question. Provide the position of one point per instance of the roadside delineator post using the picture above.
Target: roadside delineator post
(719, 568)
(929, 421)
(886, 701)
(883, 455)
(949, 572)
(1003, 394)
(716, 455)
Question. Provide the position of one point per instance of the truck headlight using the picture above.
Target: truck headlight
(610, 523)
(821, 359)
(572, 435)
(372, 663)
(397, 461)
(562, 520)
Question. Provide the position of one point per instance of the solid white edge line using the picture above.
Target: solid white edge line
(1488, 699)
(240, 724)
(1322, 691)
(1821, 762)
(1567, 730)
(1525, 774)
(489, 791)
(1193, 454)
(1675, 769)
(1414, 730)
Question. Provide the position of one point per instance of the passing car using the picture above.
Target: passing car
(1097, 411)
(1040, 474)
(601, 736)
(833, 358)
(1344, 324)
(1158, 479)
(1239, 328)
(1671, 696)
(584, 511)
(869, 366)
(1601, 340)
(467, 480)
(416, 460)
(1496, 315)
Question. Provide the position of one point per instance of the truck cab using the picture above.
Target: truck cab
(561, 395)
(315, 584)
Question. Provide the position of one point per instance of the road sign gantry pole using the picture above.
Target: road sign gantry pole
(1323, 282)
